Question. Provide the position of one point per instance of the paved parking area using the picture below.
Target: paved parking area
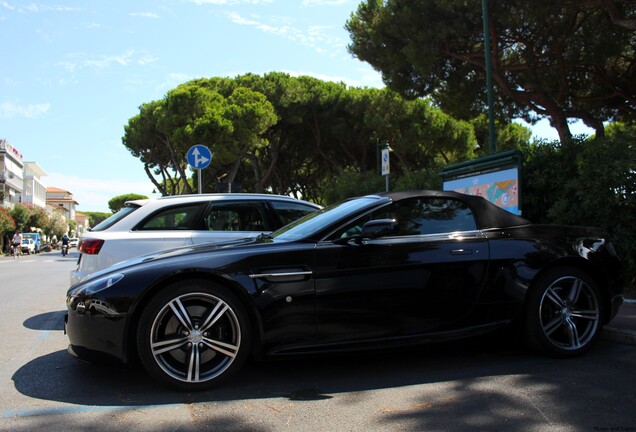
(485, 384)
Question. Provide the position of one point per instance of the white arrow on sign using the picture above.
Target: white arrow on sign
(198, 159)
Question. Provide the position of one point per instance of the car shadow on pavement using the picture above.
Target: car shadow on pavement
(46, 321)
(59, 377)
(475, 388)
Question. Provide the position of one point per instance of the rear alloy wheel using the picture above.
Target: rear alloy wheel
(564, 314)
(193, 335)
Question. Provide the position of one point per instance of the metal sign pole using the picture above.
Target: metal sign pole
(386, 165)
(199, 181)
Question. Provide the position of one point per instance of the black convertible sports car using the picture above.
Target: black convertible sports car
(372, 272)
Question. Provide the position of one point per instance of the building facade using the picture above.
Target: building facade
(83, 224)
(11, 174)
(21, 183)
(62, 201)
(33, 190)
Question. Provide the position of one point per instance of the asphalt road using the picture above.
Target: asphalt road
(491, 384)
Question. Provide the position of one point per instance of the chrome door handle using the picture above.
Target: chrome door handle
(461, 251)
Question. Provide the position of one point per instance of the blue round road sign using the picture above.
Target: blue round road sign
(199, 156)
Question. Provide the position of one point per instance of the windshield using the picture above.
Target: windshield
(316, 222)
(112, 220)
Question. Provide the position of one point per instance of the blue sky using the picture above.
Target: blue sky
(74, 72)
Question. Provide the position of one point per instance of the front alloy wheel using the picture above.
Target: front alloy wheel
(564, 315)
(193, 335)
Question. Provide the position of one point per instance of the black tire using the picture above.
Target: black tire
(193, 335)
(564, 315)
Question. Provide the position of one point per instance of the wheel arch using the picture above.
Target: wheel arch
(131, 353)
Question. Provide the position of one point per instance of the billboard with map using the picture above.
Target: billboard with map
(496, 178)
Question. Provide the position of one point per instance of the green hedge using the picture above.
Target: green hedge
(589, 182)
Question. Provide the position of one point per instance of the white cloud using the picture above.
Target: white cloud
(325, 2)
(79, 61)
(315, 36)
(11, 110)
(146, 59)
(228, 2)
(145, 15)
(10, 82)
(7, 5)
(37, 8)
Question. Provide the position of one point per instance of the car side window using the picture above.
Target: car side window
(433, 216)
(418, 216)
(235, 216)
(174, 218)
(288, 212)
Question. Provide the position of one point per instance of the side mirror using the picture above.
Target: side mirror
(379, 228)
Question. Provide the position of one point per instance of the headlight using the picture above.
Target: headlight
(97, 285)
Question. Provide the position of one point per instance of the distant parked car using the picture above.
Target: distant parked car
(73, 242)
(146, 226)
(28, 246)
(37, 240)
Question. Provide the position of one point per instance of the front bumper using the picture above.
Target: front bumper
(96, 338)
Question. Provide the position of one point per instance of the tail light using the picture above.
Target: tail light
(90, 246)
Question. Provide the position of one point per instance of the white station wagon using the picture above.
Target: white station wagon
(151, 225)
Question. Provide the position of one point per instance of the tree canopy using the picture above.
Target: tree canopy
(590, 182)
(564, 60)
(30, 218)
(21, 215)
(7, 224)
(95, 218)
(116, 203)
(289, 135)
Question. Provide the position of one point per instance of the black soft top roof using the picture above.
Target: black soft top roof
(486, 213)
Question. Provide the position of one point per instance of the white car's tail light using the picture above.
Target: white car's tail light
(90, 246)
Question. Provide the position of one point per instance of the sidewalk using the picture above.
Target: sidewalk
(622, 328)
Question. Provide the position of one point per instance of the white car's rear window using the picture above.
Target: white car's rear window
(125, 211)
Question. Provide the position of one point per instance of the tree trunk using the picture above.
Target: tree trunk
(560, 122)
(159, 187)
